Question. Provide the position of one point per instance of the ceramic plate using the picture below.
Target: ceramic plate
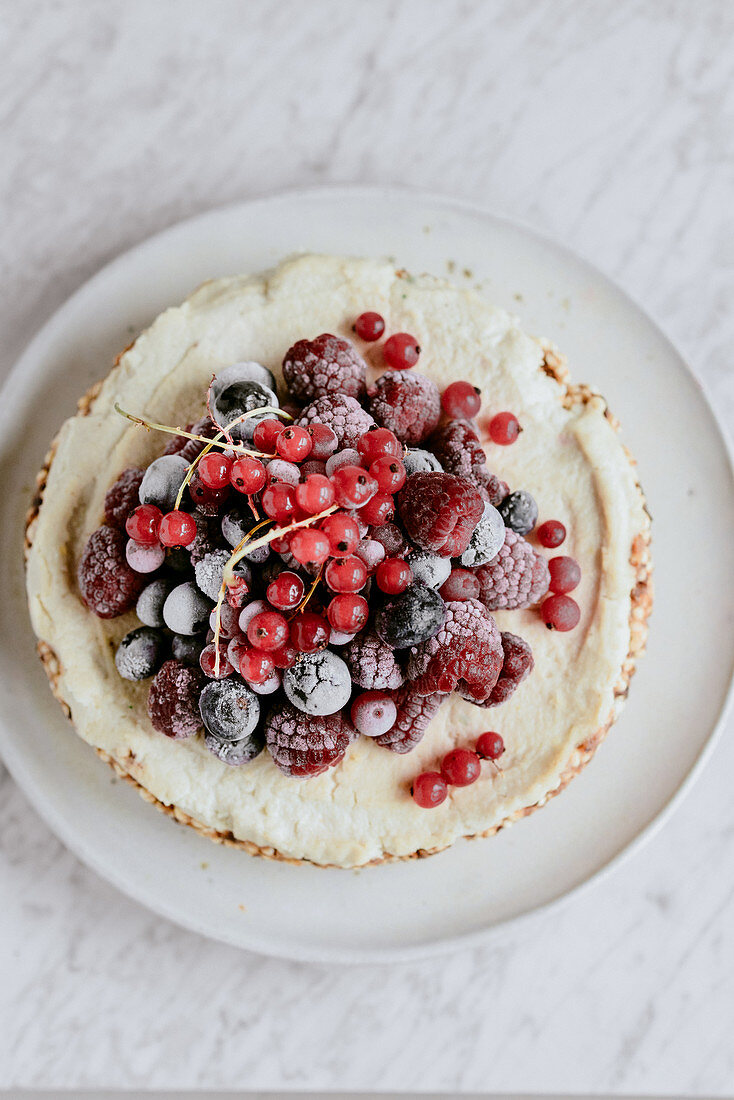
(464, 895)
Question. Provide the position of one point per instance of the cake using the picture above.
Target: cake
(442, 672)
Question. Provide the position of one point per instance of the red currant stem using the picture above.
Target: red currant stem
(150, 425)
(212, 443)
(309, 594)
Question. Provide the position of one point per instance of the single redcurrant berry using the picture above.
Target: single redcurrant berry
(429, 790)
(265, 434)
(286, 591)
(293, 444)
(323, 441)
(401, 351)
(309, 632)
(373, 713)
(378, 510)
(207, 661)
(348, 612)
(201, 494)
(256, 666)
(309, 546)
(177, 529)
(504, 428)
(279, 501)
(461, 584)
(369, 327)
(280, 545)
(142, 525)
(389, 473)
(342, 532)
(460, 767)
(378, 442)
(551, 533)
(560, 613)
(393, 576)
(268, 630)
(461, 400)
(346, 574)
(490, 745)
(285, 657)
(315, 494)
(353, 486)
(214, 470)
(565, 574)
(248, 475)
(229, 621)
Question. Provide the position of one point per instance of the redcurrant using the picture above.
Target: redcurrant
(342, 532)
(369, 327)
(378, 510)
(353, 486)
(248, 475)
(551, 533)
(265, 434)
(142, 525)
(293, 444)
(504, 428)
(389, 473)
(309, 632)
(393, 576)
(490, 745)
(309, 546)
(346, 574)
(323, 441)
(348, 612)
(207, 661)
(315, 494)
(560, 613)
(268, 630)
(214, 469)
(461, 400)
(565, 574)
(429, 790)
(177, 529)
(401, 351)
(286, 591)
(460, 767)
(279, 501)
(256, 665)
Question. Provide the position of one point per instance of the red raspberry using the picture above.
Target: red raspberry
(122, 497)
(173, 701)
(372, 663)
(340, 412)
(409, 404)
(516, 577)
(465, 656)
(107, 584)
(415, 712)
(302, 745)
(440, 511)
(328, 364)
(456, 445)
(517, 665)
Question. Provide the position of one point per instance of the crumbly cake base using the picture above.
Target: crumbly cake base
(641, 600)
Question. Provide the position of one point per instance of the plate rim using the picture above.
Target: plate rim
(44, 338)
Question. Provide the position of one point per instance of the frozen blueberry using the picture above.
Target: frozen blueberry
(238, 398)
(186, 610)
(178, 560)
(162, 481)
(229, 709)
(187, 648)
(235, 752)
(421, 462)
(242, 372)
(319, 683)
(487, 540)
(414, 617)
(149, 607)
(519, 511)
(235, 526)
(209, 571)
(429, 568)
(140, 653)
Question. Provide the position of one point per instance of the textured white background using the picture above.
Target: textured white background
(608, 125)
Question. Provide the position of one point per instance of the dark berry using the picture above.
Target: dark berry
(340, 412)
(516, 577)
(237, 399)
(414, 715)
(149, 607)
(230, 711)
(411, 618)
(408, 404)
(465, 655)
(519, 511)
(305, 746)
(372, 663)
(173, 701)
(328, 364)
(187, 648)
(122, 497)
(162, 481)
(319, 683)
(140, 653)
(440, 511)
(517, 665)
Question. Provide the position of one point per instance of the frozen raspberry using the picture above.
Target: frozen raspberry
(328, 364)
(465, 656)
(440, 512)
(516, 577)
(303, 745)
(173, 701)
(343, 414)
(107, 584)
(517, 666)
(414, 714)
(122, 497)
(457, 447)
(372, 662)
(409, 404)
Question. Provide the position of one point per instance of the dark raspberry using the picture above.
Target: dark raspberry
(519, 511)
(517, 665)
(465, 656)
(343, 414)
(409, 404)
(457, 447)
(415, 712)
(107, 584)
(328, 364)
(173, 701)
(303, 745)
(440, 511)
(372, 662)
(122, 497)
(516, 577)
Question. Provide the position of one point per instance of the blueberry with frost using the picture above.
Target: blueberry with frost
(186, 610)
(162, 481)
(140, 653)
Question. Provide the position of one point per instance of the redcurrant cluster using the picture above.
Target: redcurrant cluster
(459, 768)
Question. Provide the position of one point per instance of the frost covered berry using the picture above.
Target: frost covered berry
(173, 701)
(516, 577)
(107, 584)
(519, 511)
(440, 512)
(517, 665)
(328, 364)
(464, 656)
(340, 412)
(414, 714)
(456, 445)
(371, 662)
(302, 745)
(409, 404)
(122, 497)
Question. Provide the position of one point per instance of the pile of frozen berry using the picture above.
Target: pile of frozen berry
(309, 573)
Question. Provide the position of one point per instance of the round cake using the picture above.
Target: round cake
(211, 630)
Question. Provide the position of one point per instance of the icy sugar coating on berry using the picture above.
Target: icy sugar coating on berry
(162, 481)
(303, 746)
(410, 618)
(516, 577)
(519, 511)
(107, 584)
(487, 539)
(247, 371)
(342, 413)
(517, 665)
(230, 710)
(372, 663)
(236, 399)
(328, 364)
(186, 610)
(421, 462)
(319, 684)
(409, 404)
(429, 568)
(414, 714)
(464, 656)
(149, 607)
(173, 701)
(122, 497)
(235, 753)
(140, 653)
(373, 713)
(209, 572)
